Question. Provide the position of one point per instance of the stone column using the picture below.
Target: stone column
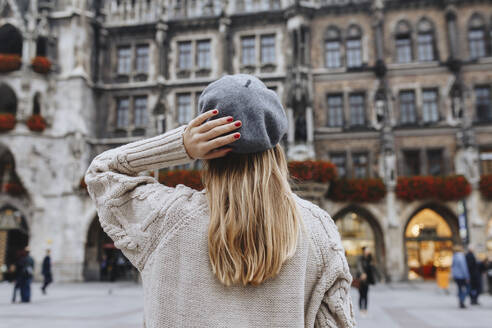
(225, 59)
(452, 32)
(162, 42)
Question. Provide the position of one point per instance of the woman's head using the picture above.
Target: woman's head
(254, 223)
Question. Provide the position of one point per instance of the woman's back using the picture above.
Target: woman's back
(245, 252)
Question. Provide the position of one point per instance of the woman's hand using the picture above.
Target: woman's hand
(202, 139)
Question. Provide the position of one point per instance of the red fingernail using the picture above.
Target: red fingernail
(237, 135)
(230, 119)
(215, 111)
(237, 124)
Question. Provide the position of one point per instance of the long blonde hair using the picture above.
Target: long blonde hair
(254, 223)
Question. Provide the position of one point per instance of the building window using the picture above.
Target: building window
(248, 56)
(430, 111)
(140, 112)
(184, 55)
(124, 60)
(476, 37)
(184, 108)
(411, 163)
(403, 43)
(407, 107)
(142, 60)
(354, 47)
(332, 48)
(486, 161)
(203, 54)
(335, 110)
(360, 165)
(483, 104)
(340, 161)
(357, 109)
(122, 109)
(268, 49)
(425, 41)
(435, 161)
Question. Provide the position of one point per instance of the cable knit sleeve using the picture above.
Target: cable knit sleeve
(336, 309)
(129, 205)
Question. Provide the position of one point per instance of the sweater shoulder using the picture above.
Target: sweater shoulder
(321, 229)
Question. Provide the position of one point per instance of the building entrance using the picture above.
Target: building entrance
(429, 243)
(14, 238)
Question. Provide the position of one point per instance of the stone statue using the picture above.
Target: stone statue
(387, 167)
(467, 164)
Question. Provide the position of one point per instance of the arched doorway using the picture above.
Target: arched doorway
(429, 236)
(8, 99)
(14, 237)
(358, 228)
(103, 261)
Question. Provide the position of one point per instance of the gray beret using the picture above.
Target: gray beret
(246, 98)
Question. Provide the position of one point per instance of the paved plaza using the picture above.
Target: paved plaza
(119, 305)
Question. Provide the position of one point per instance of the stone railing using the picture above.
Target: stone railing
(124, 12)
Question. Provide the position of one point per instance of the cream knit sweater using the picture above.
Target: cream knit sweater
(163, 232)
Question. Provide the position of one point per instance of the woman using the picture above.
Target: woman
(245, 251)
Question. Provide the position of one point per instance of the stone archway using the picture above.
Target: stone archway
(429, 236)
(103, 261)
(359, 228)
(8, 99)
(10, 40)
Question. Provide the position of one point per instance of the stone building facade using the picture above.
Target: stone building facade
(382, 88)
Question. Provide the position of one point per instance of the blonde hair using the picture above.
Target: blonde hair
(254, 223)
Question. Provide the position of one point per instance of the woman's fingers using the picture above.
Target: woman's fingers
(221, 141)
(217, 153)
(205, 127)
(220, 130)
(197, 121)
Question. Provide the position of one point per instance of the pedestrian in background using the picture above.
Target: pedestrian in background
(363, 291)
(243, 252)
(488, 273)
(475, 276)
(46, 271)
(460, 274)
(25, 267)
(12, 277)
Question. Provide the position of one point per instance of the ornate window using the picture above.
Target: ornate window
(435, 162)
(425, 41)
(267, 49)
(430, 111)
(184, 55)
(340, 161)
(142, 60)
(122, 113)
(476, 37)
(184, 114)
(124, 60)
(357, 109)
(203, 54)
(140, 112)
(354, 47)
(360, 165)
(335, 110)
(483, 104)
(411, 163)
(248, 55)
(407, 107)
(332, 48)
(403, 43)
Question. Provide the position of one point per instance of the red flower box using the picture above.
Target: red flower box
(486, 186)
(427, 187)
(7, 122)
(357, 190)
(9, 62)
(41, 65)
(14, 189)
(316, 171)
(36, 123)
(190, 178)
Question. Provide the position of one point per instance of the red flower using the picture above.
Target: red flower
(317, 171)
(428, 187)
(41, 65)
(357, 190)
(36, 123)
(14, 188)
(9, 62)
(7, 122)
(486, 186)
